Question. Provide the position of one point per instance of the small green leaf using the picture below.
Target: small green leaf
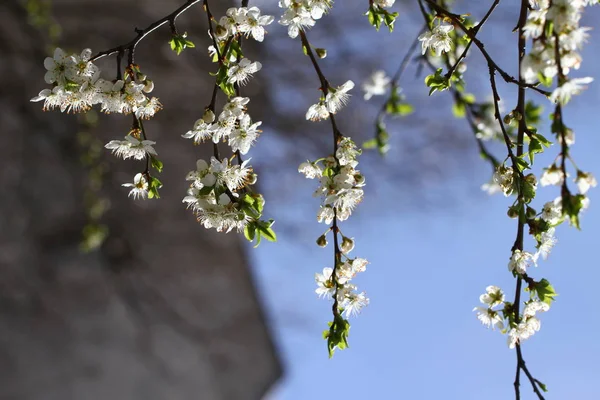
(545, 291)
(370, 144)
(542, 386)
(156, 163)
(249, 232)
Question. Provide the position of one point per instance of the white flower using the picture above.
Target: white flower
(563, 93)
(131, 148)
(245, 135)
(438, 39)
(585, 181)
(223, 127)
(524, 330)
(552, 176)
(243, 71)
(520, 261)
(377, 84)
(354, 303)
(236, 107)
(533, 307)
(295, 17)
(547, 242)
(325, 285)
(347, 152)
(348, 270)
(504, 177)
(552, 211)
(202, 128)
(489, 317)
(254, 24)
(148, 108)
(338, 97)
(325, 214)
(59, 67)
(310, 170)
(384, 3)
(57, 97)
(139, 187)
(317, 112)
(493, 296)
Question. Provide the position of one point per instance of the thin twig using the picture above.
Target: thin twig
(142, 33)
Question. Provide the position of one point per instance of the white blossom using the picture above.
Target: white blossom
(338, 97)
(493, 296)
(325, 285)
(243, 71)
(489, 317)
(552, 211)
(563, 93)
(520, 261)
(139, 187)
(244, 135)
(585, 181)
(546, 243)
(132, 147)
(437, 39)
(377, 84)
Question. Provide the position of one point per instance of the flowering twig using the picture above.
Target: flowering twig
(142, 33)
(456, 19)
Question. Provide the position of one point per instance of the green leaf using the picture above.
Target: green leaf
(179, 42)
(154, 185)
(545, 291)
(437, 82)
(156, 163)
(542, 386)
(370, 144)
(266, 231)
(389, 20)
(522, 165)
(572, 206)
(545, 142)
(534, 147)
(459, 109)
(250, 231)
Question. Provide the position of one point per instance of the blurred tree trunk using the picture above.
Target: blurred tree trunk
(165, 310)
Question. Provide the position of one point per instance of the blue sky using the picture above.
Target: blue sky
(418, 338)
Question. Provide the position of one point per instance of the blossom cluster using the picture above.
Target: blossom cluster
(220, 193)
(563, 17)
(503, 318)
(438, 39)
(340, 184)
(77, 86)
(233, 125)
(238, 21)
(349, 300)
(213, 193)
(331, 103)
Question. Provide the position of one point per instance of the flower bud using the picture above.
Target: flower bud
(322, 241)
(321, 53)
(347, 244)
(530, 213)
(513, 212)
(252, 178)
(148, 86)
(221, 32)
(531, 179)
